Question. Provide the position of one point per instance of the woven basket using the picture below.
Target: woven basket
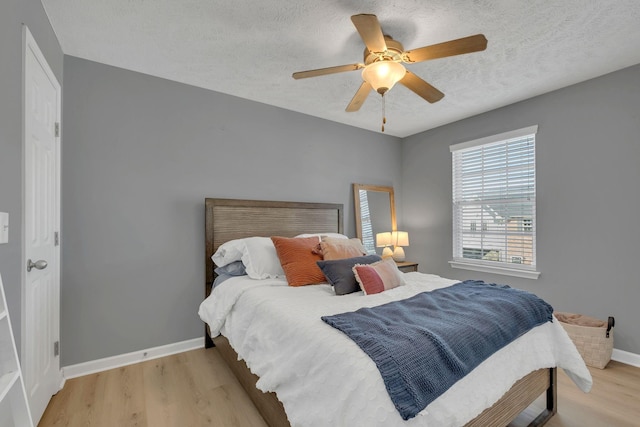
(593, 337)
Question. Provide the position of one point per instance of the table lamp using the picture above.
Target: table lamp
(399, 239)
(383, 240)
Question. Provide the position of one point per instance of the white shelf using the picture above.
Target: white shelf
(6, 382)
(14, 408)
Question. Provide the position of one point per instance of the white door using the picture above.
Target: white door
(41, 291)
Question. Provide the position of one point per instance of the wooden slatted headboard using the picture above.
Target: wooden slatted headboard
(228, 219)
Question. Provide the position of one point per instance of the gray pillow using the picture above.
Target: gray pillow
(236, 268)
(339, 272)
(219, 279)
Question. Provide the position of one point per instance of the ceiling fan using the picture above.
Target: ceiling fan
(382, 66)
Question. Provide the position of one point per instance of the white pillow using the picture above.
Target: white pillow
(228, 252)
(260, 259)
(320, 235)
(256, 253)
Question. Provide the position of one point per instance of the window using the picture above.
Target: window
(494, 184)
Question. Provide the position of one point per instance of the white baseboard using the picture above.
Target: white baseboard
(112, 362)
(626, 357)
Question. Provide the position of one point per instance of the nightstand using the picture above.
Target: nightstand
(407, 266)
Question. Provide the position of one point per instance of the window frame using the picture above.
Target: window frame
(492, 266)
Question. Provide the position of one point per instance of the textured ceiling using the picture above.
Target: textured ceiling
(250, 48)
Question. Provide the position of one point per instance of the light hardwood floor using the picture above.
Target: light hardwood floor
(614, 400)
(195, 388)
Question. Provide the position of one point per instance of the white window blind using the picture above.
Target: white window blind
(494, 184)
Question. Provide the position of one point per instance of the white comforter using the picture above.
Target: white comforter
(324, 379)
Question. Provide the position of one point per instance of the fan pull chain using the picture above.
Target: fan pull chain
(384, 118)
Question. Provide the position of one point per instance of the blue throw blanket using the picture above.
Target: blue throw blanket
(425, 344)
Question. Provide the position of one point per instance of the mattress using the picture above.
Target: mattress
(323, 378)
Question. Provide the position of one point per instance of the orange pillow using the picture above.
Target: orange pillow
(298, 260)
(341, 248)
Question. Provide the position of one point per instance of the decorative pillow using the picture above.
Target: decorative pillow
(341, 248)
(298, 260)
(339, 273)
(378, 277)
(256, 253)
(235, 268)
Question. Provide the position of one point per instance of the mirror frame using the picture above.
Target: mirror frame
(356, 200)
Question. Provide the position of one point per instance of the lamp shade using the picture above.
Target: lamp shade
(400, 238)
(383, 239)
(382, 75)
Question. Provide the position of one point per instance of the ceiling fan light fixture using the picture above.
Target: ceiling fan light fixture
(382, 75)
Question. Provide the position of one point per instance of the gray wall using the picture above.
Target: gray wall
(588, 197)
(13, 13)
(140, 154)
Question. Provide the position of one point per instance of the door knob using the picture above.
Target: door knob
(40, 265)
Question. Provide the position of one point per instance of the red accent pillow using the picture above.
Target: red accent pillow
(298, 260)
(378, 277)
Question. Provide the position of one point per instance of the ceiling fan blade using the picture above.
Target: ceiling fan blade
(454, 47)
(422, 88)
(325, 71)
(359, 97)
(370, 31)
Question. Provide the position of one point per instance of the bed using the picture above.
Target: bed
(229, 219)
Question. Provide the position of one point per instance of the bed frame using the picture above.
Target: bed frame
(228, 219)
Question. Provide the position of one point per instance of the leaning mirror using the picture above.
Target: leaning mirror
(375, 213)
